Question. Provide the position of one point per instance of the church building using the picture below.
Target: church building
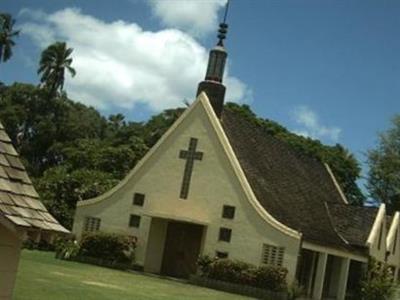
(218, 184)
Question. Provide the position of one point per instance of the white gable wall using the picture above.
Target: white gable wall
(214, 183)
(377, 238)
(393, 242)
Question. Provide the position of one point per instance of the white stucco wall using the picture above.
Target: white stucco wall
(214, 184)
(377, 238)
(393, 242)
(10, 248)
(155, 246)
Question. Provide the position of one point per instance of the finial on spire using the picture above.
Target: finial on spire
(212, 85)
(223, 27)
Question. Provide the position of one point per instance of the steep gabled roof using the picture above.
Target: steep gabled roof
(19, 201)
(293, 188)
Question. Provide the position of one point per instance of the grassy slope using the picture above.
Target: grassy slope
(41, 277)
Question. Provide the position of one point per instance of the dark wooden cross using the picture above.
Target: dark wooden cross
(190, 155)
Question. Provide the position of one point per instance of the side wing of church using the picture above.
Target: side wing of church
(219, 185)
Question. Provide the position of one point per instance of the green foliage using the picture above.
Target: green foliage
(266, 277)
(54, 61)
(343, 164)
(159, 124)
(96, 154)
(66, 247)
(384, 164)
(60, 188)
(40, 127)
(6, 36)
(108, 246)
(377, 283)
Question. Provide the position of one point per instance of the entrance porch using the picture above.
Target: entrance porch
(327, 277)
(173, 247)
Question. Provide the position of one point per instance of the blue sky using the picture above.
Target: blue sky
(328, 69)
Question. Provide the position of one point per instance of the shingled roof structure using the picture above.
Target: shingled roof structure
(295, 189)
(353, 223)
(19, 201)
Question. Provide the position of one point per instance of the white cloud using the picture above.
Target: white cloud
(198, 17)
(310, 125)
(120, 64)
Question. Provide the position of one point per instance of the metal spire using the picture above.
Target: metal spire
(223, 27)
(226, 11)
(212, 85)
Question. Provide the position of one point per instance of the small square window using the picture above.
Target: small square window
(134, 221)
(228, 212)
(138, 199)
(225, 234)
(221, 254)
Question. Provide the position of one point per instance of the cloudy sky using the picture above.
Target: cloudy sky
(325, 69)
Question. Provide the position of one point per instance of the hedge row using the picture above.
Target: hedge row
(113, 248)
(265, 277)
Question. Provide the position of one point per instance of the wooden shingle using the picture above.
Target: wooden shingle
(3, 160)
(19, 201)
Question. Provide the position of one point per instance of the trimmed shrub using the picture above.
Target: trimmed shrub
(109, 247)
(274, 278)
(265, 277)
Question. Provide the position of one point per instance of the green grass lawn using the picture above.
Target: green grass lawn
(41, 277)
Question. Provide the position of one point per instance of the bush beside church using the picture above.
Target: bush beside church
(271, 278)
(106, 249)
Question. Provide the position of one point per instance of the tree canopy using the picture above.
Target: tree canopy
(7, 33)
(384, 167)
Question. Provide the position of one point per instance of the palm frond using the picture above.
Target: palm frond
(54, 61)
(6, 35)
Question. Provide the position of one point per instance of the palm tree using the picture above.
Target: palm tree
(55, 59)
(6, 35)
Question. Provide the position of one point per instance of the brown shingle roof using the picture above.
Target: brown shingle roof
(293, 188)
(354, 223)
(19, 201)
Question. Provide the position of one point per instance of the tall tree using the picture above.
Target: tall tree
(55, 59)
(6, 36)
(384, 163)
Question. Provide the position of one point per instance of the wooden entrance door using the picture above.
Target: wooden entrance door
(182, 248)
